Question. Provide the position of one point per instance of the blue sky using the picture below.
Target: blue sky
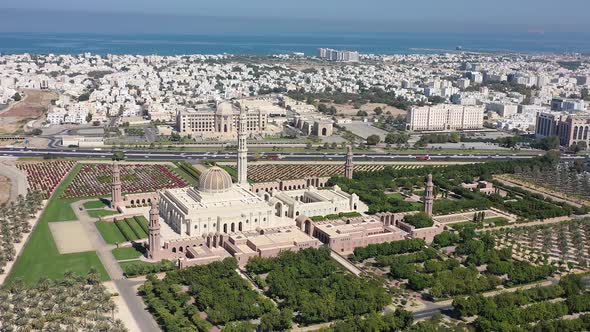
(258, 15)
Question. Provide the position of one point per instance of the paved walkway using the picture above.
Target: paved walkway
(126, 288)
(344, 262)
(18, 180)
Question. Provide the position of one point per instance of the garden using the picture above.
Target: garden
(14, 221)
(272, 172)
(312, 285)
(475, 266)
(40, 257)
(195, 298)
(44, 176)
(123, 230)
(95, 180)
(372, 188)
(566, 177)
(562, 307)
(75, 303)
(565, 244)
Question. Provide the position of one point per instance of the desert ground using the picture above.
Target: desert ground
(32, 107)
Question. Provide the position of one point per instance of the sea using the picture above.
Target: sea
(265, 44)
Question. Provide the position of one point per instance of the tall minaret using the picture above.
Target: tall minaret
(154, 246)
(242, 148)
(348, 166)
(429, 196)
(116, 196)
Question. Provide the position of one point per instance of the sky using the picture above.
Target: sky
(190, 16)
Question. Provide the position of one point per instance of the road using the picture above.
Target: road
(308, 156)
(126, 288)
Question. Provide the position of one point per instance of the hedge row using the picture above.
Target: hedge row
(126, 230)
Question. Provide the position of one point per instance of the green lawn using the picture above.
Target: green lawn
(417, 206)
(128, 253)
(101, 213)
(396, 195)
(95, 204)
(126, 230)
(136, 228)
(110, 232)
(40, 257)
(59, 209)
(499, 221)
(185, 176)
(143, 222)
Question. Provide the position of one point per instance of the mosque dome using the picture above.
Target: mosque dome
(215, 180)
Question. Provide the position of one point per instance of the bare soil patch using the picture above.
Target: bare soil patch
(70, 237)
(30, 108)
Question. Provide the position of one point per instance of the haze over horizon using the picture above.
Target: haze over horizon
(304, 16)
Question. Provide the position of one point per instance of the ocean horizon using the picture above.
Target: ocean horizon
(266, 44)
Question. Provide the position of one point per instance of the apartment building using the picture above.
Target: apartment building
(338, 55)
(444, 117)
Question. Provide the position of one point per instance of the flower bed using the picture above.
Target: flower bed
(44, 176)
(272, 172)
(90, 180)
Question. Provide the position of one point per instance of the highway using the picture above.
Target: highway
(308, 156)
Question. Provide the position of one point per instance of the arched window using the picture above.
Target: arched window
(233, 227)
(324, 131)
(225, 228)
(174, 249)
(240, 226)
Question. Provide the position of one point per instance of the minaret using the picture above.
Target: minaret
(348, 166)
(116, 196)
(429, 196)
(154, 246)
(242, 148)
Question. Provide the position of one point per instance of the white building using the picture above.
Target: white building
(443, 117)
(219, 206)
(56, 116)
(501, 108)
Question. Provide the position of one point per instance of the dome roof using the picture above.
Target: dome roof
(215, 180)
(225, 108)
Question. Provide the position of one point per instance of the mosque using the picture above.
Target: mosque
(221, 218)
